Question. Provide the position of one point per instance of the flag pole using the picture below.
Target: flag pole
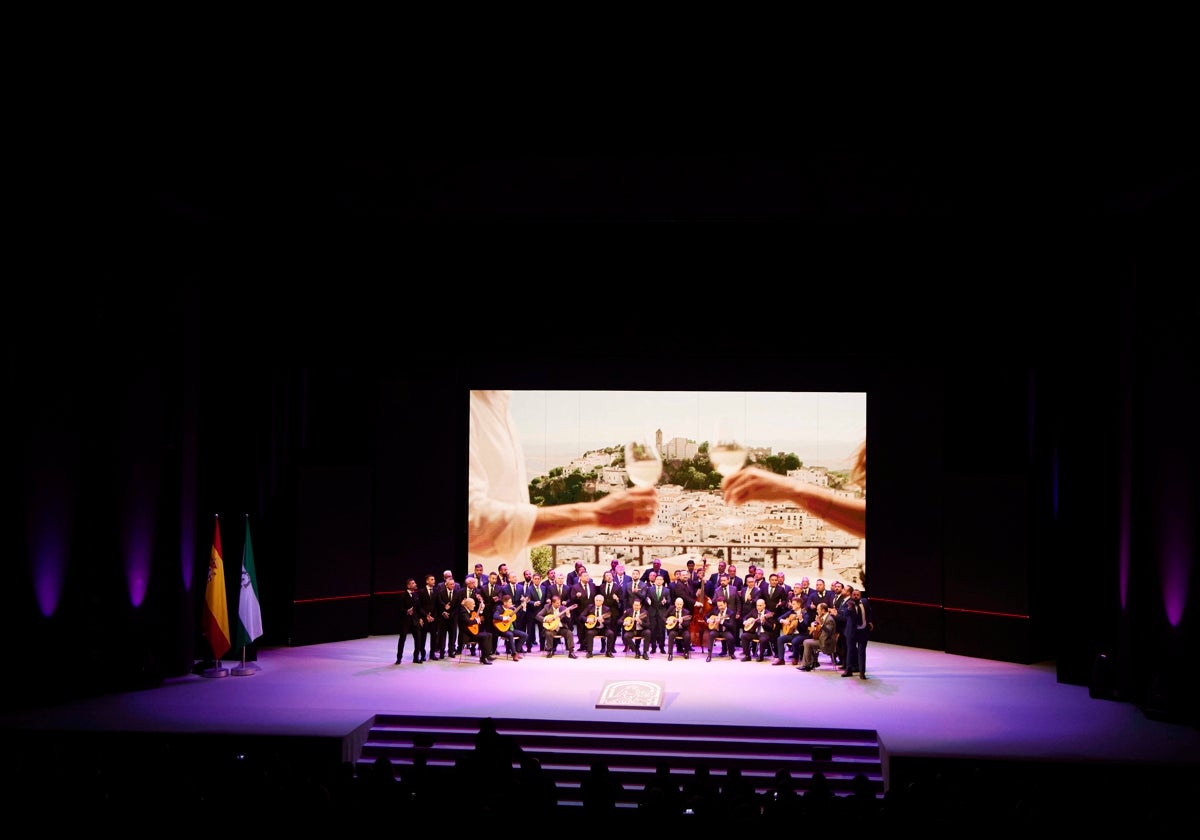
(216, 618)
(249, 617)
(244, 670)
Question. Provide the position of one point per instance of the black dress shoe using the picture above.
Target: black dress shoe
(550, 654)
(572, 655)
(646, 656)
(847, 674)
(485, 661)
(863, 677)
(399, 661)
(609, 656)
(687, 654)
(589, 654)
(760, 659)
(670, 656)
(708, 658)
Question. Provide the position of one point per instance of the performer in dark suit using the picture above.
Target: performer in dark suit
(747, 598)
(722, 624)
(775, 595)
(534, 596)
(582, 594)
(555, 586)
(489, 599)
(449, 599)
(714, 580)
(614, 599)
(553, 618)
(597, 621)
(514, 639)
(841, 596)
(757, 626)
(472, 628)
(858, 632)
(634, 629)
(657, 598)
(792, 631)
(410, 622)
(427, 603)
(677, 621)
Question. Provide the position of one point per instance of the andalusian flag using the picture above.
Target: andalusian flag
(249, 615)
(216, 610)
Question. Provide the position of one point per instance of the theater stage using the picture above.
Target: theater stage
(923, 704)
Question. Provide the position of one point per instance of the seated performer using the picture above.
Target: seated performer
(678, 630)
(634, 627)
(596, 621)
(721, 624)
(553, 617)
(474, 634)
(791, 632)
(757, 626)
(503, 620)
(822, 637)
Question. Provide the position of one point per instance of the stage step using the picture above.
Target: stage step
(634, 751)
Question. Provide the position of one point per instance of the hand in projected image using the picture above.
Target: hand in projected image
(635, 506)
(843, 511)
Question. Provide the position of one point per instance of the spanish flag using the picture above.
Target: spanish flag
(216, 611)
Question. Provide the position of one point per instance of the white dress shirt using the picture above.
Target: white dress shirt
(500, 515)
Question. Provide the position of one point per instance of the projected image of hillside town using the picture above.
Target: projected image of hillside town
(576, 449)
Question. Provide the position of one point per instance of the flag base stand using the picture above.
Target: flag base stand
(244, 670)
(218, 671)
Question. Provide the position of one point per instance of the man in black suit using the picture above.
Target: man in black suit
(657, 598)
(614, 599)
(490, 593)
(410, 622)
(427, 606)
(840, 596)
(597, 621)
(775, 595)
(858, 632)
(583, 592)
(449, 599)
(678, 633)
(714, 580)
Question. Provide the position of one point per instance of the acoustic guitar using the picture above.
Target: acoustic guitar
(506, 620)
(473, 624)
(789, 624)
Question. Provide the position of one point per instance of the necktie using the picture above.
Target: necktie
(608, 590)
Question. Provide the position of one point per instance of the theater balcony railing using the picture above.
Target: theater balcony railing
(642, 553)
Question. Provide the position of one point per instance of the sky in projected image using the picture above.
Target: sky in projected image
(822, 428)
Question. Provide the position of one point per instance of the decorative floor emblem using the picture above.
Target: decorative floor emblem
(631, 694)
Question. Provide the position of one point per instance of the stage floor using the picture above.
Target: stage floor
(923, 704)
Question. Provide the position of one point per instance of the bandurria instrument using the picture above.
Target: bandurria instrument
(749, 623)
(553, 621)
(631, 623)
